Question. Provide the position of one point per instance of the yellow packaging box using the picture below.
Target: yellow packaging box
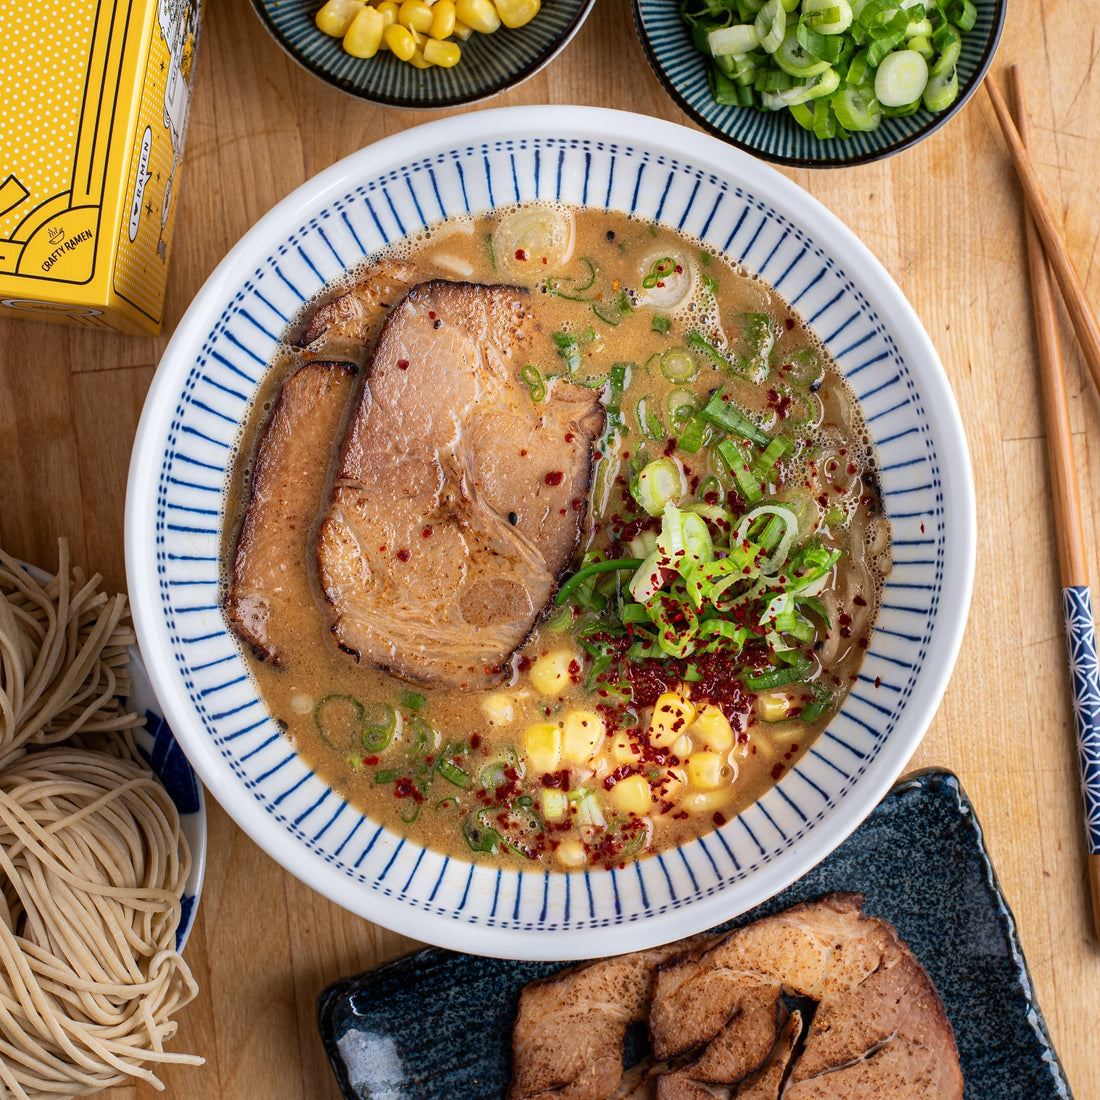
(93, 113)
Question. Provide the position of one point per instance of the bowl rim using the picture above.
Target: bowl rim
(437, 103)
(871, 156)
(583, 123)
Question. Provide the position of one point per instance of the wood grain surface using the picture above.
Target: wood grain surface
(945, 218)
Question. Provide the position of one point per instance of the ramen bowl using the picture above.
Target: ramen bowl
(207, 382)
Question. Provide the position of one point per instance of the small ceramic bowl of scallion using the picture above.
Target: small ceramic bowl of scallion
(820, 83)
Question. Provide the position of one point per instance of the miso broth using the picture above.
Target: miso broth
(721, 599)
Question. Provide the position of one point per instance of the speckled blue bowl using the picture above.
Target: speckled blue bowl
(774, 135)
(490, 63)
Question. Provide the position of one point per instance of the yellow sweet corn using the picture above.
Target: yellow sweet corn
(336, 16)
(389, 11)
(712, 729)
(772, 706)
(443, 19)
(416, 15)
(400, 40)
(672, 714)
(542, 746)
(515, 13)
(551, 674)
(479, 15)
(571, 853)
(632, 796)
(443, 54)
(462, 31)
(364, 36)
(582, 734)
(707, 770)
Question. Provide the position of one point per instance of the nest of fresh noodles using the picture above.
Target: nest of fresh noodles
(92, 859)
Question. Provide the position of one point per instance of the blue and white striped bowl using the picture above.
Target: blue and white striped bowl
(774, 135)
(209, 377)
(491, 63)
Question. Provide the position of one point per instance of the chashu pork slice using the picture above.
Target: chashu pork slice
(567, 1040)
(458, 499)
(269, 576)
(349, 323)
(879, 1021)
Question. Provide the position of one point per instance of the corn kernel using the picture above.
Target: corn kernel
(443, 54)
(400, 41)
(555, 804)
(621, 749)
(365, 33)
(415, 14)
(712, 729)
(418, 61)
(682, 746)
(632, 796)
(707, 770)
(705, 802)
(479, 15)
(515, 13)
(672, 714)
(582, 735)
(336, 16)
(542, 743)
(443, 19)
(498, 709)
(772, 706)
(389, 11)
(551, 672)
(571, 853)
(462, 32)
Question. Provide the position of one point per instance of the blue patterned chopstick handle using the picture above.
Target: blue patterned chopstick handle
(1081, 639)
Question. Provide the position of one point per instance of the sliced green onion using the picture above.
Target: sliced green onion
(588, 571)
(648, 421)
(453, 773)
(771, 25)
(901, 78)
(661, 324)
(532, 378)
(731, 419)
(339, 720)
(657, 483)
(379, 726)
(737, 39)
(678, 366)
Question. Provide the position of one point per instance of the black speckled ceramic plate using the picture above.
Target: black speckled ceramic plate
(436, 1025)
(774, 135)
(490, 63)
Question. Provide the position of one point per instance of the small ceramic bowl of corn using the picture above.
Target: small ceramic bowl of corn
(423, 53)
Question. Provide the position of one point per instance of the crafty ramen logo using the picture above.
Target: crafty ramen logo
(141, 181)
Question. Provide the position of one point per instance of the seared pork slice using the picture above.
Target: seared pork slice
(815, 949)
(289, 474)
(567, 1041)
(766, 1083)
(763, 1083)
(901, 1070)
(349, 323)
(878, 1012)
(740, 1048)
(459, 499)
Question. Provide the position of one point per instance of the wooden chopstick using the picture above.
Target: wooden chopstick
(1073, 291)
(1072, 559)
